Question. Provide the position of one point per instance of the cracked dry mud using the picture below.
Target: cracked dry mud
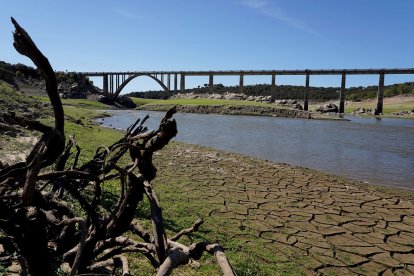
(326, 224)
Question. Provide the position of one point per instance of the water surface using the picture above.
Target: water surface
(378, 151)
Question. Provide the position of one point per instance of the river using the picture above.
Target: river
(376, 151)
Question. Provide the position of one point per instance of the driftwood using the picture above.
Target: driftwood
(56, 219)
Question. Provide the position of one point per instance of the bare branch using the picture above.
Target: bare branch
(176, 257)
(77, 228)
(84, 231)
(140, 231)
(187, 231)
(160, 238)
(25, 46)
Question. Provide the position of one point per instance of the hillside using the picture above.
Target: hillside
(28, 80)
(15, 102)
(295, 92)
(16, 140)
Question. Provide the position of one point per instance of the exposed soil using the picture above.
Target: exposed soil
(326, 224)
(240, 110)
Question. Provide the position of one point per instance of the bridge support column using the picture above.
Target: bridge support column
(241, 84)
(111, 84)
(211, 83)
(380, 94)
(105, 84)
(273, 87)
(117, 82)
(175, 83)
(182, 84)
(162, 78)
(306, 97)
(342, 94)
(169, 82)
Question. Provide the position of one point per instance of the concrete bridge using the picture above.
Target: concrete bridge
(114, 82)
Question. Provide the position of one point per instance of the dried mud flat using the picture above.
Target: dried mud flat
(322, 223)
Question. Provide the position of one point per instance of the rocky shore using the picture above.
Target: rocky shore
(232, 110)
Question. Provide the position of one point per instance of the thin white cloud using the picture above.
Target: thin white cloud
(267, 8)
(128, 14)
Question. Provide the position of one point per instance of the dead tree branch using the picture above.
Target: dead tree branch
(58, 217)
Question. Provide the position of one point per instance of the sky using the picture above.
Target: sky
(137, 35)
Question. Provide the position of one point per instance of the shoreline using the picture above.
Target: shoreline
(380, 186)
(247, 110)
(402, 192)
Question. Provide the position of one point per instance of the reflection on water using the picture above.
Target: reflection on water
(376, 151)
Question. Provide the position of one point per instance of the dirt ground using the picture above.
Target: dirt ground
(323, 223)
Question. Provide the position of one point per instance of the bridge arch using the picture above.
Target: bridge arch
(119, 89)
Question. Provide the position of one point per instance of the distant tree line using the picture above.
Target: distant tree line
(293, 91)
(10, 72)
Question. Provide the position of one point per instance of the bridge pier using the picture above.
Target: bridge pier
(105, 84)
(306, 96)
(211, 83)
(162, 78)
(241, 83)
(111, 84)
(175, 83)
(117, 82)
(169, 82)
(182, 84)
(273, 86)
(380, 94)
(342, 94)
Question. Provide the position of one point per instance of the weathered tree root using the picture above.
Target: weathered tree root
(58, 217)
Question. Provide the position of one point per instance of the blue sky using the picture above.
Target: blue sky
(134, 35)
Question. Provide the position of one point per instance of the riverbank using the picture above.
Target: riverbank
(394, 107)
(248, 110)
(232, 110)
(271, 218)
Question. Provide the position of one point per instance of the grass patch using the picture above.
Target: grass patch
(10, 96)
(388, 109)
(142, 101)
(84, 103)
(15, 101)
(88, 134)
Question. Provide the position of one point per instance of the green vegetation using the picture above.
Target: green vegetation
(9, 71)
(142, 101)
(388, 109)
(370, 92)
(199, 102)
(85, 103)
(14, 101)
(10, 97)
(295, 91)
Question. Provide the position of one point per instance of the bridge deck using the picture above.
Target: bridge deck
(264, 72)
